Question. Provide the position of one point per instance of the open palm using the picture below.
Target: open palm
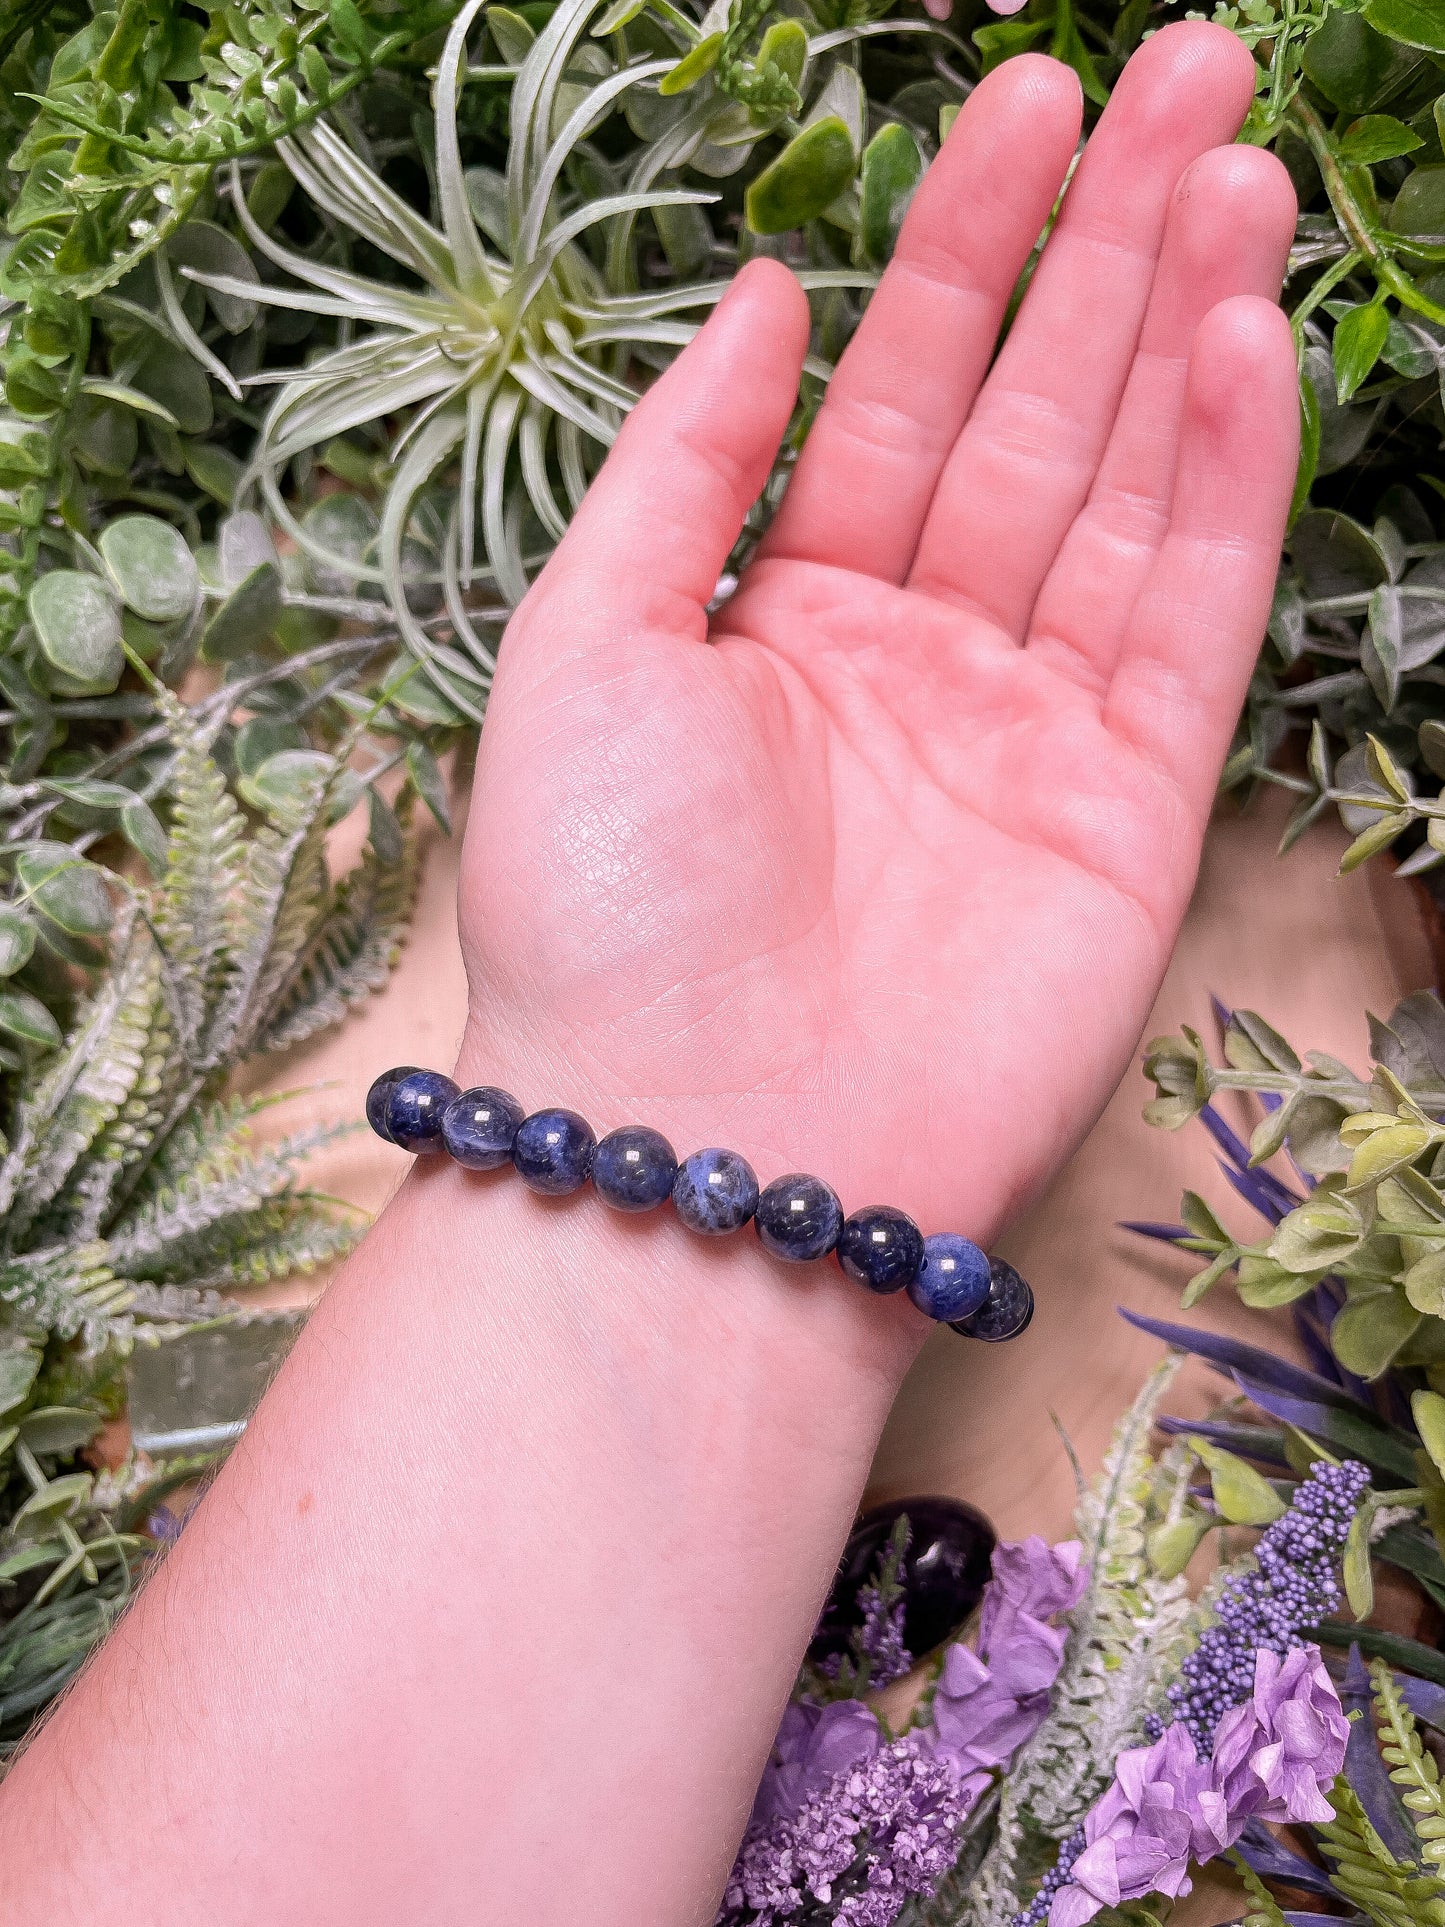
(877, 871)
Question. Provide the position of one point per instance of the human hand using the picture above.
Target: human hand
(876, 874)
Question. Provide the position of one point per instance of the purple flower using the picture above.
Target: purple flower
(1162, 1811)
(814, 1744)
(988, 1703)
(1275, 1755)
(1293, 1585)
(1273, 1758)
(880, 1830)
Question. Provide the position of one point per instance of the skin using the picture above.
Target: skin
(493, 1613)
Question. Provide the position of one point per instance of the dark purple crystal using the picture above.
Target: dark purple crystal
(943, 1574)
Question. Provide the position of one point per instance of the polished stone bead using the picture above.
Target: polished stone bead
(798, 1217)
(379, 1096)
(943, 1573)
(414, 1111)
(715, 1192)
(881, 1248)
(954, 1280)
(478, 1128)
(553, 1151)
(634, 1168)
(1005, 1312)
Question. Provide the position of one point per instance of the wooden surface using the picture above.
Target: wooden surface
(1282, 936)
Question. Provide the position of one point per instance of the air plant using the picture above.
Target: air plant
(513, 364)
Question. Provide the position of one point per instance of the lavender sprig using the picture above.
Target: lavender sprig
(1293, 1585)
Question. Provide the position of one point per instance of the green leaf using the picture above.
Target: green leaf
(151, 567)
(77, 625)
(66, 889)
(998, 40)
(1243, 1495)
(1359, 1573)
(617, 15)
(17, 940)
(286, 783)
(693, 66)
(24, 1016)
(1424, 1284)
(429, 783)
(892, 169)
(1171, 1547)
(142, 830)
(1369, 1330)
(1418, 23)
(1428, 1409)
(18, 1367)
(1370, 842)
(1309, 447)
(1360, 334)
(247, 618)
(1384, 1152)
(809, 174)
(1376, 137)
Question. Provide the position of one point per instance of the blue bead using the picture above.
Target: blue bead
(954, 1280)
(634, 1168)
(881, 1248)
(798, 1217)
(1004, 1313)
(553, 1151)
(414, 1111)
(478, 1127)
(715, 1192)
(379, 1096)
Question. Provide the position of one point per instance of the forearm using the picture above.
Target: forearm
(477, 1608)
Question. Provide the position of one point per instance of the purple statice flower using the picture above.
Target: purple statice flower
(988, 1703)
(814, 1745)
(881, 1830)
(1272, 1759)
(1292, 1586)
(1275, 1755)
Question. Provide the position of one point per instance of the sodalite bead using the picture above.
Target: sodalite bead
(634, 1168)
(715, 1192)
(1004, 1313)
(379, 1096)
(881, 1248)
(798, 1217)
(954, 1280)
(414, 1111)
(553, 1151)
(479, 1127)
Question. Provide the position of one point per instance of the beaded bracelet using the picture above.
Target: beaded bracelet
(713, 1192)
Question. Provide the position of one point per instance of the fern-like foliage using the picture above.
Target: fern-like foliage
(1124, 1645)
(133, 1191)
(1388, 1891)
(1412, 1769)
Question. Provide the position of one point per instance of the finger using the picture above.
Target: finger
(650, 539)
(1022, 468)
(1196, 628)
(905, 385)
(1228, 233)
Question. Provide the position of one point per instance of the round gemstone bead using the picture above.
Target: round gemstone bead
(954, 1280)
(715, 1192)
(479, 1126)
(379, 1096)
(553, 1151)
(1005, 1312)
(633, 1168)
(414, 1111)
(798, 1217)
(943, 1573)
(881, 1248)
